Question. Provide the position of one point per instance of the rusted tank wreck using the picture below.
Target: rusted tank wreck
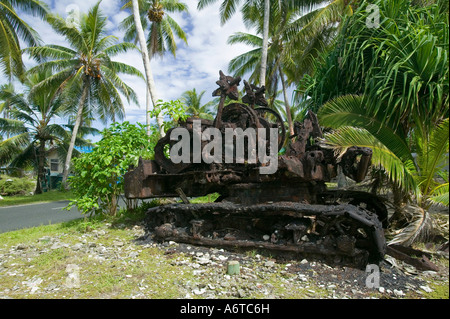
(287, 211)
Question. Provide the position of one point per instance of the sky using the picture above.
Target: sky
(196, 65)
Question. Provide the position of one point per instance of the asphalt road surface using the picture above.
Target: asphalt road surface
(31, 215)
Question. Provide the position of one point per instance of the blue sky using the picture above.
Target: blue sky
(196, 65)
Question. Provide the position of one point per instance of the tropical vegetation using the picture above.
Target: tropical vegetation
(376, 73)
(194, 107)
(13, 30)
(30, 129)
(295, 40)
(387, 88)
(98, 176)
(85, 70)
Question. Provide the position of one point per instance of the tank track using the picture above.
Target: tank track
(337, 234)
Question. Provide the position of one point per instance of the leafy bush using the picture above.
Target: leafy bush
(15, 186)
(175, 110)
(98, 178)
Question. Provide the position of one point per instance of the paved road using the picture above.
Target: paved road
(31, 215)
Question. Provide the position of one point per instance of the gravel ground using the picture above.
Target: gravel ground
(204, 269)
(313, 278)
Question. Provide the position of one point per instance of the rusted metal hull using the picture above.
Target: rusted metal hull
(146, 182)
(341, 234)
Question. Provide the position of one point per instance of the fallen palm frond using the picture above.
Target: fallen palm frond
(441, 224)
(418, 227)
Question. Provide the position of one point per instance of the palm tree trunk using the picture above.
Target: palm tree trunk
(41, 160)
(147, 108)
(398, 217)
(265, 47)
(74, 137)
(146, 60)
(286, 104)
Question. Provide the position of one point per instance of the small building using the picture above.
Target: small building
(54, 163)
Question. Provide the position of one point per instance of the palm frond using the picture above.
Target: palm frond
(417, 229)
(50, 51)
(13, 147)
(245, 38)
(73, 35)
(351, 110)
(181, 34)
(400, 172)
(26, 157)
(13, 29)
(118, 48)
(21, 29)
(439, 195)
(246, 63)
(227, 10)
(204, 3)
(432, 154)
(11, 126)
(34, 7)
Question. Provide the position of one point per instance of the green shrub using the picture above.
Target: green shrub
(98, 177)
(10, 186)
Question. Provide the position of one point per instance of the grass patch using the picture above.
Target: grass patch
(31, 234)
(205, 199)
(50, 259)
(439, 292)
(50, 196)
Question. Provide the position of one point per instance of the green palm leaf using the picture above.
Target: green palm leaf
(439, 195)
(13, 29)
(432, 157)
(13, 146)
(398, 171)
(192, 99)
(351, 110)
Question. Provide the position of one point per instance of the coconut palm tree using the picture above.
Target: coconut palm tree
(30, 126)
(14, 29)
(151, 89)
(84, 70)
(162, 28)
(192, 99)
(313, 25)
(152, 15)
